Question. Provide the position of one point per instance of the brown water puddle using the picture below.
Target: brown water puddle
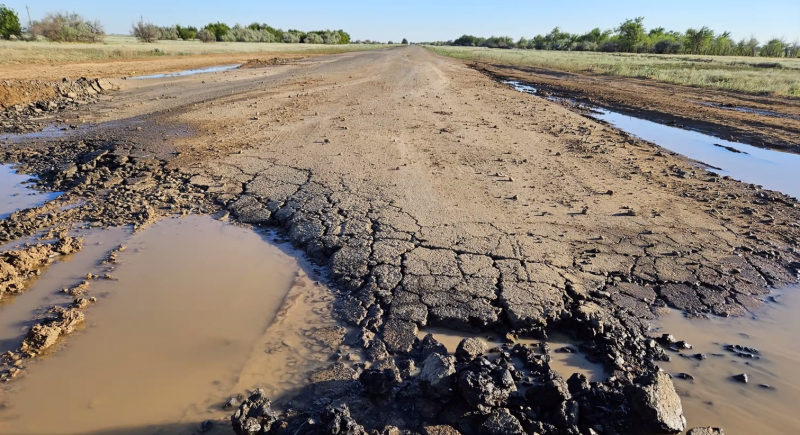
(16, 313)
(713, 398)
(564, 363)
(182, 328)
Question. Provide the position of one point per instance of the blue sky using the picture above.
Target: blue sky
(427, 20)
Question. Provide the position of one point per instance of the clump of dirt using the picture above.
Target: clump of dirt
(22, 101)
(261, 63)
(19, 265)
(513, 391)
(115, 184)
(57, 322)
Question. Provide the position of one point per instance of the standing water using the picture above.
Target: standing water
(14, 195)
(182, 327)
(774, 170)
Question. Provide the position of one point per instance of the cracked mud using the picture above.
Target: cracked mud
(437, 197)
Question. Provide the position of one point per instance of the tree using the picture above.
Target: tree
(68, 27)
(405, 41)
(186, 33)
(206, 36)
(218, 30)
(631, 32)
(145, 32)
(773, 48)
(9, 23)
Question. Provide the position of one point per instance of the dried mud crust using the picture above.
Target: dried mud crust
(759, 120)
(437, 197)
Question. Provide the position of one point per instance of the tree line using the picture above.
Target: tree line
(632, 37)
(221, 32)
(71, 27)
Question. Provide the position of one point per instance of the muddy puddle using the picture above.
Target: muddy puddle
(198, 311)
(767, 403)
(564, 362)
(189, 72)
(15, 195)
(774, 170)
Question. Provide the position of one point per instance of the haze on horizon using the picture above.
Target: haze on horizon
(422, 21)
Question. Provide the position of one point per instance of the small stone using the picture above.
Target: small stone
(743, 378)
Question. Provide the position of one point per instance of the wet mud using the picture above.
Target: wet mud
(528, 222)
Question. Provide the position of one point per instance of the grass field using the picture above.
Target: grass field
(745, 74)
(118, 47)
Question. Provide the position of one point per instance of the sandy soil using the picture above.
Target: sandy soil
(436, 197)
(759, 120)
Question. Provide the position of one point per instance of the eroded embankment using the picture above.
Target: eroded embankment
(570, 226)
(28, 105)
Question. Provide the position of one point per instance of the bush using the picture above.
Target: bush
(64, 27)
(314, 38)
(290, 38)
(405, 41)
(169, 33)
(667, 46)
(187, 33)
(206, 36)
(145, 32)
(218, 29)
(249, 34)
(9, 23)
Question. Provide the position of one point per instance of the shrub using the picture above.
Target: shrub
(314, 38)
(405, 41)
(186, 33)
(218, 29)
(290, 38)
(206, 36)
(9, 23)
(667, 46)
(169, 33)
(145, 32)
(64, 27)
(249, 34)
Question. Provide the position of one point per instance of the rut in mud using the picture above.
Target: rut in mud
(437, 197)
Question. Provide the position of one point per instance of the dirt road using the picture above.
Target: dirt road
(438, 197)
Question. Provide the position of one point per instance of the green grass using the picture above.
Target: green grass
(127, 47)
(744, 74)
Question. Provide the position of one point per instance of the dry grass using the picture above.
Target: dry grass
(127, 47)
(745, 74)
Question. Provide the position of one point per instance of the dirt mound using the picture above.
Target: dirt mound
(260, 63)
(17, 266)
(20, 99)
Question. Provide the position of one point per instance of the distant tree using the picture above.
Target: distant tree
(773, 48)
(9, 23)
(697, 41)
(206, 36)
(405, 41)
(218, 29)
(631, 33)
(186, 33)
(66, 27)
(145, 32)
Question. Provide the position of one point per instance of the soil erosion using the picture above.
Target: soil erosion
(436, 197)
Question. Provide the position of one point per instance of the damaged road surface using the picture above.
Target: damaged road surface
(436, 197)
